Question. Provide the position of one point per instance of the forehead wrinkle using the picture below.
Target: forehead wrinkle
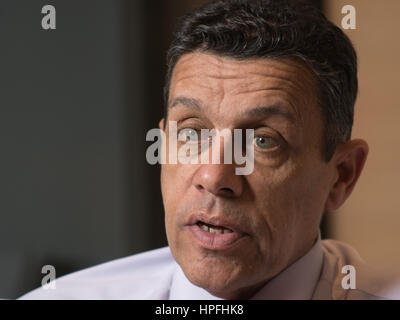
(297, 82)
(199, 105)
(287, 96)
(194, 79)
(272, 66)
(201, 79)
(220, 74)
(223, 74)
(268, 110)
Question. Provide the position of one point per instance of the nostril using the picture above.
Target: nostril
(227, 191)
(219, 180)
(200, 187)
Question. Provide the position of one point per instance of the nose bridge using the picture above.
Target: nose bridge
(221, 150)
(219, 177)
(216, 173)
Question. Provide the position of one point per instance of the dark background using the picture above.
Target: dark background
(75, 106)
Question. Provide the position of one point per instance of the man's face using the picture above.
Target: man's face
(263, 221)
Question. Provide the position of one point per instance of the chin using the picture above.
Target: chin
(226, 288)
(223, 279)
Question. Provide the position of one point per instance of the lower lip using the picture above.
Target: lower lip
(214, 241)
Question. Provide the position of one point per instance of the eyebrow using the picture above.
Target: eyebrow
(187, 102)
(276, 109)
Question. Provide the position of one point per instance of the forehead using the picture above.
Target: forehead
(222, 84)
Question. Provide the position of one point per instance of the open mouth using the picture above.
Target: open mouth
(213, 229)
(216, 236)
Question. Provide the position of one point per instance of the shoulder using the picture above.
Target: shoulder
(142, 276)
(341, 262)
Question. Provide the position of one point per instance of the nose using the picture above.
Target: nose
(219, 179)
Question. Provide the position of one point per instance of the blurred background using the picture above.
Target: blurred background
(77, 102)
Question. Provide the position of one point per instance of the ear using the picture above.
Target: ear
(161, 124)
(348, 160)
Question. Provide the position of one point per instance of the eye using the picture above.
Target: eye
(264, 142)
(188, 134)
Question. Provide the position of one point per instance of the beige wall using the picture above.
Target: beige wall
(370, 219)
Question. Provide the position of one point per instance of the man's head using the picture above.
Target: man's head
(280, 68)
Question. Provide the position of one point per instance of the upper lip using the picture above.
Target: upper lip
(215, 220)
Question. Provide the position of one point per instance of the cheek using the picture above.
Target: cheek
(175, 182)
(274, 189)
(291, 199)
(175, 186)
(282, 199)
(168, 196)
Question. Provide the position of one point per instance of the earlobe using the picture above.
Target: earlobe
(161, 124)
(349, 160)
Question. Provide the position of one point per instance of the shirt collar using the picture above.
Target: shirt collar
(296, 282)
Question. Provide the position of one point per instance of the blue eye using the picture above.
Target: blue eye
(265, 142)
(189, 134)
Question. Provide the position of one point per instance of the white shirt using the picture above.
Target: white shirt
(156, 275)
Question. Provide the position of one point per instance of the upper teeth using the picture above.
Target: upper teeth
(214, 230)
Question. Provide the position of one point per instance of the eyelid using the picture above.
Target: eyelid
(190, 122)
(276, 136)
(197, 130)
(269, 132)
(190, 118)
